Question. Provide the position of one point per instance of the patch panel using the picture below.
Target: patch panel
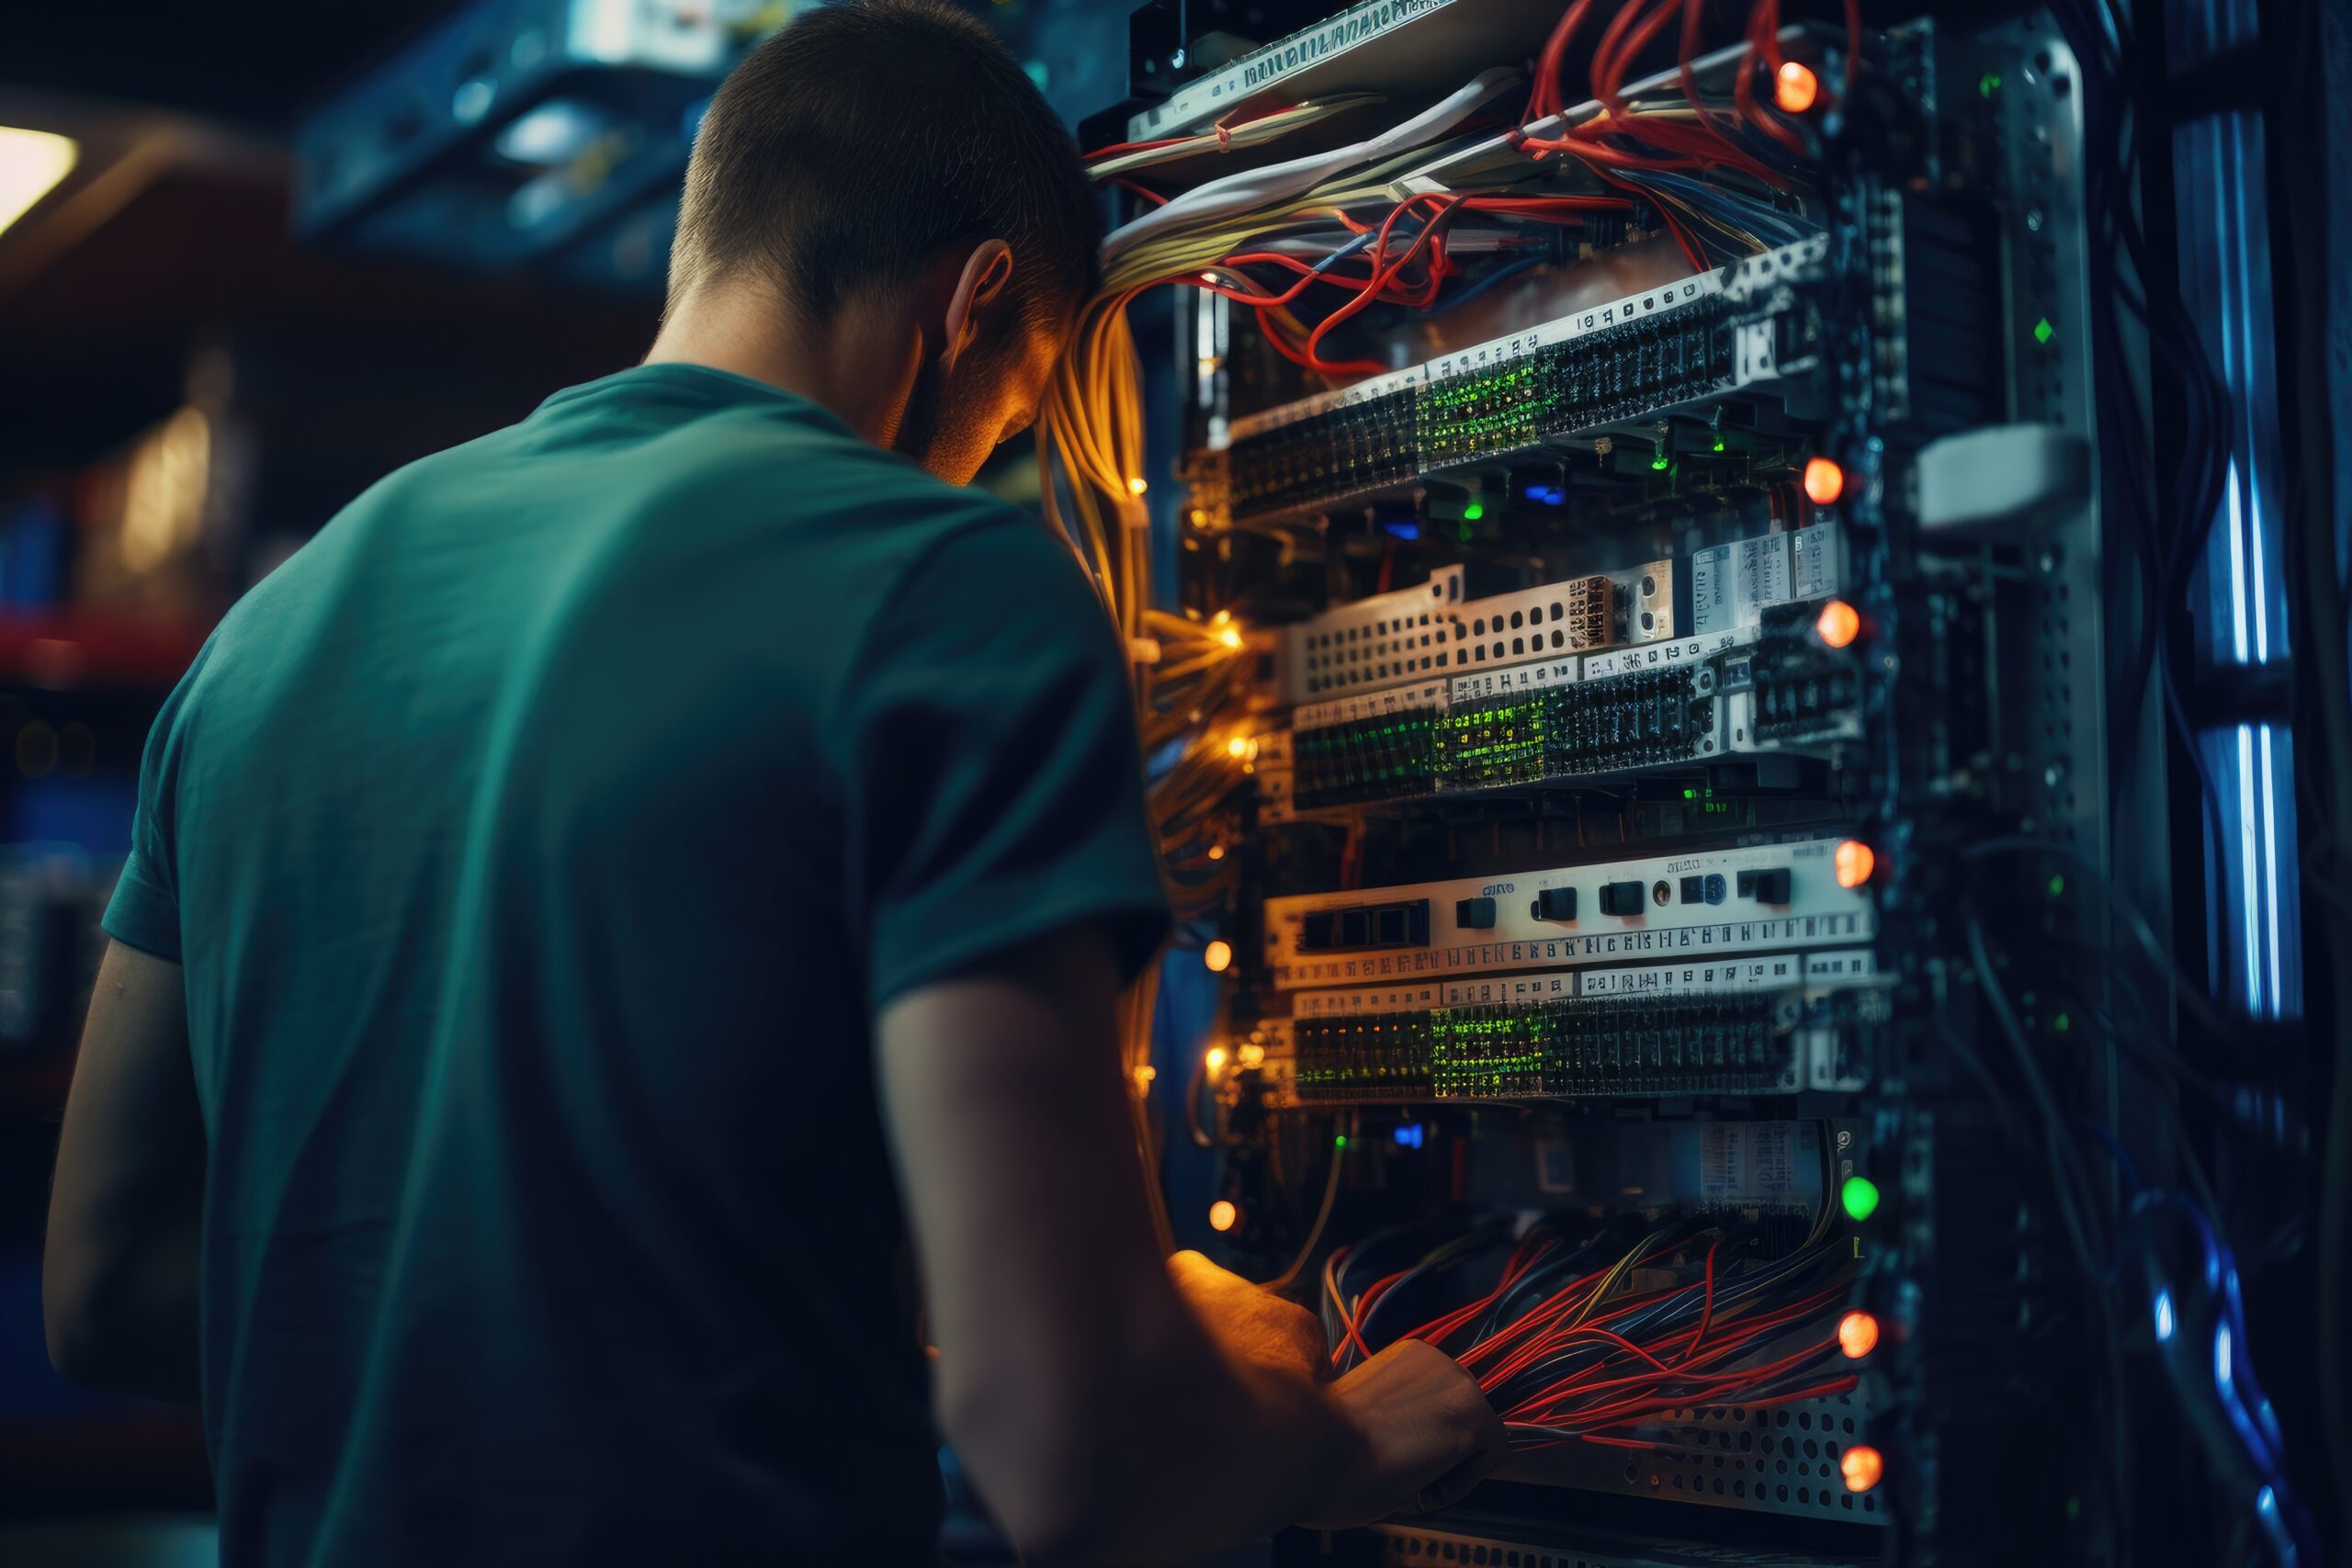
(1578, 916)
(1602, 1046)
(1628, 362)
(1769, 1025)
(1527, 723)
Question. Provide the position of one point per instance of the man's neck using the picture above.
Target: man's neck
(849, 366)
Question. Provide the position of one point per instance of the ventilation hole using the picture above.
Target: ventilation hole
(1556, 611)
(1781, 1493)
(1518, 645)
(1559, 640)
(1804, 1494)
(1516, 620)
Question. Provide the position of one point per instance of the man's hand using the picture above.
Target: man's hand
(1251, 1323)
(1431, 1431)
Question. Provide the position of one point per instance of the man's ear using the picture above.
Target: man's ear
(983, 293)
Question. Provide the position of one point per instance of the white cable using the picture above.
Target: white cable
(1253, 188)
(1249, 134)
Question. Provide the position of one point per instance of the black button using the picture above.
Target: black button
(1765, 886)
(1694, 889)
(1621, 898)
(1475, 914)
(1556, 904)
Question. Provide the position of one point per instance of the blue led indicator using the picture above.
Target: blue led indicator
(2164, 1314)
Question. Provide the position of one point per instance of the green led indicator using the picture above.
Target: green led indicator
(1472, 513)
(1989, 84)
(2057, 887)
(2061, 1023)
(1659, 462)
(1719, 443)
(2042, 330)
(1689, 794)
(1861, 1197)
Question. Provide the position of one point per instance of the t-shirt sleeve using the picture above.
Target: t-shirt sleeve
(145, 912)
(993, 787)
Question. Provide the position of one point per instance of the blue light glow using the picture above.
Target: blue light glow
(1403, 530)
(2221, 1358)
(1549, 495)
(2266, 1500)
(1411, 1135)
(2164, 1314)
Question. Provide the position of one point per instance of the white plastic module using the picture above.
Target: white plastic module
(1413, 634)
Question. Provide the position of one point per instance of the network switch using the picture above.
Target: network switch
(1629, 362)
(1689, 907)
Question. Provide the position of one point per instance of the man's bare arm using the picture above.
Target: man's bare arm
(119, 1273)
(1098, 1418)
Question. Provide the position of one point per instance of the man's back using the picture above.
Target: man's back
(591, 786)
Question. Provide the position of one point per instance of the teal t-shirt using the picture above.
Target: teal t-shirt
(538, 843)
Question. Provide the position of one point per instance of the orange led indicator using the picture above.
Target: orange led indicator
(1855, 862)
(1825, 482)
(1794, 88)
(1839, 625)
(1224, 1216)
(1216, 851)
(1857, 1337)
(1214, 1060)
(1218, 957)
(1862, 1465)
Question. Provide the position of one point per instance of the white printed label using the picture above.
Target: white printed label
(1740, 1160)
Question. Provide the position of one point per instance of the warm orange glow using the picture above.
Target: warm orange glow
(1137, 486)
(1214, 1060)
(1857, 1336)
(1223, 1216)
(1252, 1056)
(1795, 89)
(1218, 957)
(1839, 625)
(1238, 747)
(1825, 482)
(1863, 1465)
(1216, 851)
(1856, 861)
(1230, 636)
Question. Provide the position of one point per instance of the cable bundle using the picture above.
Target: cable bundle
(1579, 1342)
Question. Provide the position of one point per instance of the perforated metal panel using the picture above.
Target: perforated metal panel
(1780, 1460)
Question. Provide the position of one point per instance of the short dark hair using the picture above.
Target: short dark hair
(849, 147)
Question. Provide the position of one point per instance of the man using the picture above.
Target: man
(625, 875)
